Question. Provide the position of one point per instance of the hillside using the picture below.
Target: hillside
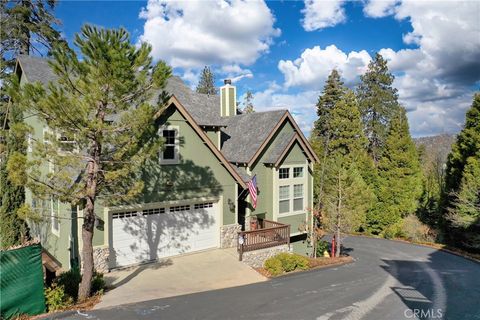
(436, 147)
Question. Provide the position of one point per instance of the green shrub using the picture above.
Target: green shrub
(273, 266)
(56, 298)
(98, 283)
(322, 246)
(70, 280)
(394, 231)
(285, 262)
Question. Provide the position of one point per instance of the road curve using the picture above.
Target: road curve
(389, 280)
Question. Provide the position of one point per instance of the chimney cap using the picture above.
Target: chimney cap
(227, 81)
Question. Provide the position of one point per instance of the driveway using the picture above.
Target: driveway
(202, 271)
(389, 280)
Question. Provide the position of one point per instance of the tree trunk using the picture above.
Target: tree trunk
(339, 211)
(87, 252)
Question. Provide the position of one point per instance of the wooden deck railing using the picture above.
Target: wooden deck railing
(269, 235)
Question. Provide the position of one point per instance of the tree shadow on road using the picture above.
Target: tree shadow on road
(437, 287)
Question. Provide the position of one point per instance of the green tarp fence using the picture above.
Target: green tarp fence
(21, 282)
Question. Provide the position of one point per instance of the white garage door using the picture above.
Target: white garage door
(150, 234)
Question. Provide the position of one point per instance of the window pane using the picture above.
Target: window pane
(298, 190)
(284, 192)
(283, 173)
(298, 172)
(298, 204)
(284, 206)
(169, 136)
(169, 153)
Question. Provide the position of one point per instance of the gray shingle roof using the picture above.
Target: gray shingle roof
(281, 142)
(37, 69)
(245, 134)
(205, 109)
(242, 173)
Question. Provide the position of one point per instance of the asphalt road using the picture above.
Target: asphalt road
(388, 281)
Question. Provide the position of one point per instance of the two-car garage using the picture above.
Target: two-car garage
(160, 231)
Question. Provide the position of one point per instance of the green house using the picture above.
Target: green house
(196, 194)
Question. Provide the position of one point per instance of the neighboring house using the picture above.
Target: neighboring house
(196, 195)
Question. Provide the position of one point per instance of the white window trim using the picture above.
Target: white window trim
(176, 159)
(291, 182)
(54, 216)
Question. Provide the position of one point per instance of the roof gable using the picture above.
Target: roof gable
(228, 166)
(245, 134)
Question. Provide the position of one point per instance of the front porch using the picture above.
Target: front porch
(263, 234)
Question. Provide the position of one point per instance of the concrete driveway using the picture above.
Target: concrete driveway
(203, 271)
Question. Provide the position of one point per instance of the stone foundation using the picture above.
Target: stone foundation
(229, 235)
(100, 259)
(256, 258)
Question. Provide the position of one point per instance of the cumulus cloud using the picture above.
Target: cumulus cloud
(301, 105)
(436, 80)
(315, 64)
(320, 14)
(191, 34)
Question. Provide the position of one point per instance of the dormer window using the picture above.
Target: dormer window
(169, 153)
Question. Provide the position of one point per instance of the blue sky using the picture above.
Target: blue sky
(282, 51)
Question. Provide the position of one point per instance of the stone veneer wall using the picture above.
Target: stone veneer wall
(256, 258)
(229, 235)
(100, 259)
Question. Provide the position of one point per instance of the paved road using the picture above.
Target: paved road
(388, 281)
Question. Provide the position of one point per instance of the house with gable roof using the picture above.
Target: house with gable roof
(196, 194)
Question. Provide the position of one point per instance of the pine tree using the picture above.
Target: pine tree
(247, 103)
(331, 94)
(346, 198)
(26, 27)
(206, 84)
(462, 195)
(466, 146)
(346, 137)
(399, 174)
(378, 102)
(113, 80)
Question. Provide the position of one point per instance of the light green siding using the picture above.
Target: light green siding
(213, 136)
(199, 174)
(266, 182)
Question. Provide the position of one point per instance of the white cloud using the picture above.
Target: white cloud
(191, 34)
(315, 64)
(379, 8)
(320, 14)
(301, 105)
(436, 79)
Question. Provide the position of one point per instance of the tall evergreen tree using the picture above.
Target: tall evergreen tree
(114, 79)
(378, 102)
(206, 84)
(26, 27)
(462, 195)
(248, 103)
(399, 174)
(331, 94)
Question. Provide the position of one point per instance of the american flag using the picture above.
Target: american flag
(252, 188)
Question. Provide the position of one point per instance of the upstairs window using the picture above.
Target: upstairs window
(169, 153)
(298, 172)
(284, 173)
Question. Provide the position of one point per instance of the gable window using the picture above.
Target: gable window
(298, 172)
(54, 211)
(169, 153)
(291, 189)
(284, 173)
